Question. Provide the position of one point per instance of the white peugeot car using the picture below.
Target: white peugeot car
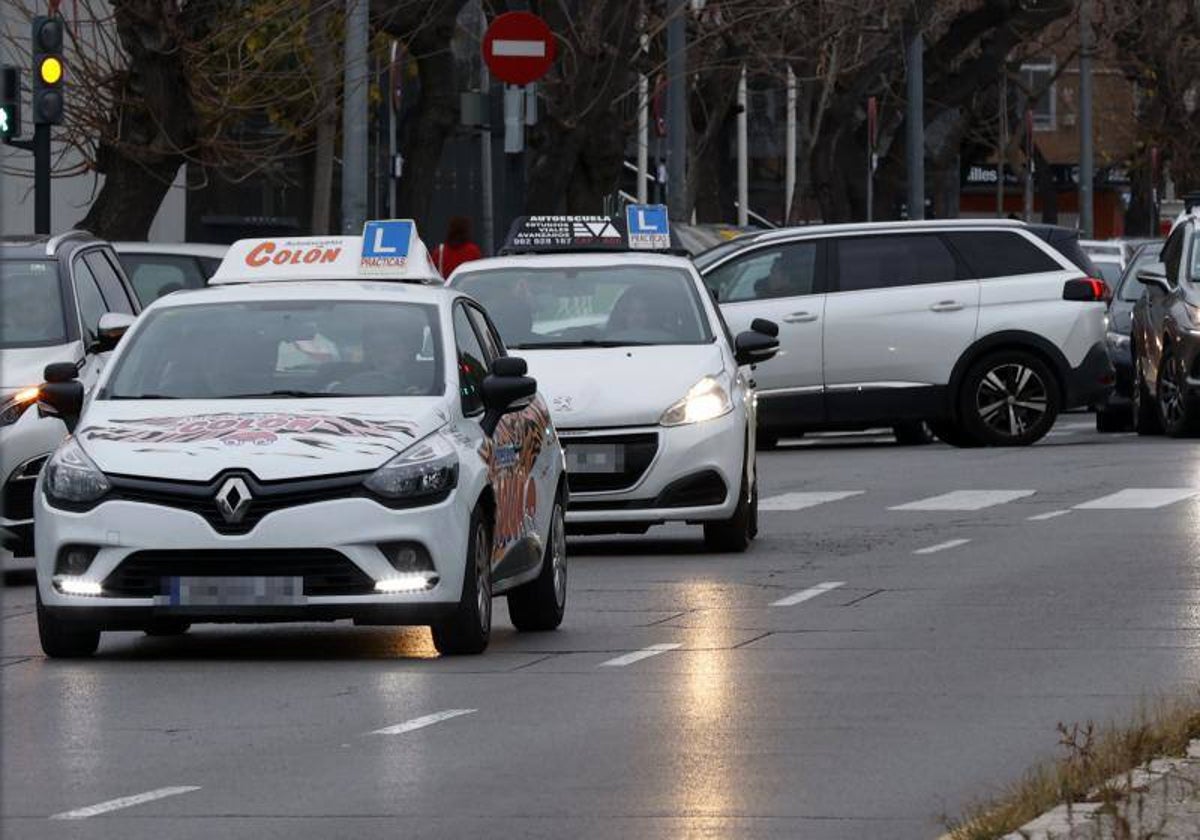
(652, 396)
(303, 450)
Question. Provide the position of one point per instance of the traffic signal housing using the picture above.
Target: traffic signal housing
(10, 102)
(48, 69)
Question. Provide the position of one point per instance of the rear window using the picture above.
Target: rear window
(881, 262)
(996, 253)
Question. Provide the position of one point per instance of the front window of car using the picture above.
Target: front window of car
(1131, 287)
(292, 348)
(31, 304)
(610, 306)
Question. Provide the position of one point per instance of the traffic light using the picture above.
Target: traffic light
(48, 69)
(10, 102)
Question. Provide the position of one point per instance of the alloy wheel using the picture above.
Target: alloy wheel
(1011, 399)
(483, 578)
(1170, 396)
(558, 557)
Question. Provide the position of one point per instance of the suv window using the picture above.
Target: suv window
(998, 253)
(472, 362)
(882, 262)
(91, 302)
(111, 285)
(788, 270)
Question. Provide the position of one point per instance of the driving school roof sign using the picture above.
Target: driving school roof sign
(648, 227)
(569, 233)
(385, 246)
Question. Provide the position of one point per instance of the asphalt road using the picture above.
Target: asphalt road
(882, 655)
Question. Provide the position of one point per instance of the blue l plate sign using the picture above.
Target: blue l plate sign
(385, 246)
(648, 227)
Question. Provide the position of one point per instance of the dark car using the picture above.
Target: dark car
(1114, 415)
(1165, 338)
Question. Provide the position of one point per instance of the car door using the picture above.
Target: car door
(783, 282)
(900, 312)
(1159, 303)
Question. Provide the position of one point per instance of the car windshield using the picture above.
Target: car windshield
(1132, 288)
(608, 306)
(293, 348)
(31, 304)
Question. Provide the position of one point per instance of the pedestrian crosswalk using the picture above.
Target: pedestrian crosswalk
(1129, 498)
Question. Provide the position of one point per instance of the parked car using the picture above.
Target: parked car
(61, 299)
(1114, 414)
(979, 327)
(157, 268)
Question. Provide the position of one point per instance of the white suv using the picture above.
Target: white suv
(980, 328)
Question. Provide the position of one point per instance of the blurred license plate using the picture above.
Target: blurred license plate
(595, 458)
(234, 591)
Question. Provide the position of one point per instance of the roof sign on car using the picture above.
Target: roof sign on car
(648, 226)
(387, 250)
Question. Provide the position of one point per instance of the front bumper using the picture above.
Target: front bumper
(135, 539)
(694, 476)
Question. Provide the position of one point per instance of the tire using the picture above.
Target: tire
(913, 433)
(539, 605)
(1112, 420)
(1177, 414)
(469, 629)
(168, 627)
(737, 532)
(766, 441)
(1009, 398)
(1145, 414)
(952, 433)
(64, 639)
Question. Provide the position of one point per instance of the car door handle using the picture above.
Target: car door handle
(799, 318)
(946, 306)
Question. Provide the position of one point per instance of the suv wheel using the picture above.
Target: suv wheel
(470, 628)
(1009, 398)
(951, 432)
(1176, 411)
(1145, 414)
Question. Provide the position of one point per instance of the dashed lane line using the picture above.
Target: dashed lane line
(639, 655)
(124, 802)
(1051, 514)
(966, 500)
(1140, 498)
(808, 594)
(934, 549)
(422, 722)
(800, 501)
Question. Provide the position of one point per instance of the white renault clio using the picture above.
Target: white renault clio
(340, 448)
(651, 394)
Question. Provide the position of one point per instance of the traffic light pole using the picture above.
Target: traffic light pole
(41, 179)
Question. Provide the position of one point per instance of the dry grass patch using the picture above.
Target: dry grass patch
(1094, 757)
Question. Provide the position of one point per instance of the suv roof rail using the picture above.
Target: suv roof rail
(54, 242)
(896, 225)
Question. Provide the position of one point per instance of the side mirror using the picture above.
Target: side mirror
(762, 325)
(61, 395)
(505, 390)
(752, 347)
(113, 325)
(1155, 275)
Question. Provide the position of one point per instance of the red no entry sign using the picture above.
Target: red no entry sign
(518, 48)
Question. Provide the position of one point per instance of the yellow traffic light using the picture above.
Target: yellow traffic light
(50, 70)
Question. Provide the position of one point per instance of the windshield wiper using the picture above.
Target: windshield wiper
(585, 342)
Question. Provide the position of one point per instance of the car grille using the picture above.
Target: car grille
(18, 491)
(639, 450)
(325, 572)
(266, 496)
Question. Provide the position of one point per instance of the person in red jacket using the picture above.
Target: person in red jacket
(458, 247)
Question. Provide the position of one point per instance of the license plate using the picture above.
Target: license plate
(595, 458)
(233, 591)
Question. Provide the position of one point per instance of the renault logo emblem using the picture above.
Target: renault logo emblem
(233, 500)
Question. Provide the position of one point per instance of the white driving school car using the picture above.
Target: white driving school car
(652, 396)
(303, 440)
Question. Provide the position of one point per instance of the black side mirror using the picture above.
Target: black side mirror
(762, 325)
(505, 390)
(113, 326)
(752, 347)
(1155, 276)
(61, 395)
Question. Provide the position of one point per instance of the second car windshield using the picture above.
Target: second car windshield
(31, 304)
(592, 306)
(289, 348)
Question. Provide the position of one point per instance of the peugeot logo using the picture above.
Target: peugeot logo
(233, 500)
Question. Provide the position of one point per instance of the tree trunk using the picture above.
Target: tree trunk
(132, 193)
(325, 68)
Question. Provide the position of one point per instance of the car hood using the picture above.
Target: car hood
(22, 367)
(194, 440)
(588, 388)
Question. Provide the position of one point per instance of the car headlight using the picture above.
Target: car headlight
(13, 407)
(427, 468)
(1117, 341)
(72, 478)
(706, 400)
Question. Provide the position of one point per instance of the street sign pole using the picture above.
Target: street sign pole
(355, 118)
(677, 135)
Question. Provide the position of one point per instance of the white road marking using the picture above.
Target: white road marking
(800, 501)
(1077, 427)
(808, 594)
(934, 549)
(966, 500)
(124, 802)
(519, 49)
(1135, 498)
(1053, 514)
(639, 655)
(422, 722)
